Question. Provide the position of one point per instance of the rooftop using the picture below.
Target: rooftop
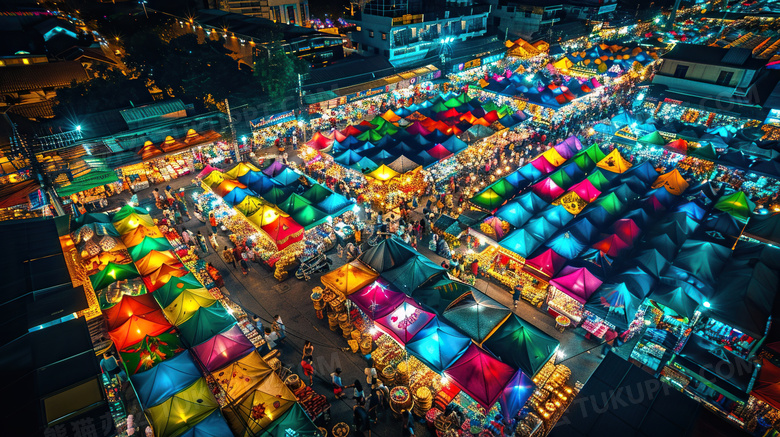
(40, 76)
(700, 54)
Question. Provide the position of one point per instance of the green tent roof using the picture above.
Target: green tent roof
(205, 323)
(293, 203)
(412, 274)
(598, 180)
(611, 203)
(561, 179)
(94, 178)
(147, 245)
(503, 188)
(126, 211)
(704, 152)
(519, 343)
(370, 135)
(439, 295)
(316, 194)
(176, 284)
(294, 422)
(112, 273)
(150, 351)
(477, 316)
(653, 138)
(308, 216)
(737, 205)
(488, 199)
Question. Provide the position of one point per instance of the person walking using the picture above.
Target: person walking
(516, 295)
(361, 420)
(308, 369)
(308, 349)
(202, 243)
(338, 386)
(110, 366)
(270, 339)
(358, 393)
(213, 241)
(280, 327)
(244, 266)
(227, 255)
(213, 222)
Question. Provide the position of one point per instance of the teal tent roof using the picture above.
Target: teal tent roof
(165, 379)
(438, 345)
(522, 345)
(205, 323)
(334, 204)
(477, 316)
(521, 242)
(514, 214)
(412, 274)
(388, 254)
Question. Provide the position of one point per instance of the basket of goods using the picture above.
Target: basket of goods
(353, 345)
(316, 299)
(388, 375)
(423, 400)
(293, 382)
(431, 416)
(402, 376)
(400, 399)
(365, 346)
(333, 321)
(340, 429)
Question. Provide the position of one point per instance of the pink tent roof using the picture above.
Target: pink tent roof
(417, 128)
(586, 191)
(543, 165)
(495, 223)
(627, 230)
(655, 203)
(480, 375)
(223, 348)
(206, 170)
(377, 299)
(547, 189)
(578, 283)
(547, 262)
(319, 141)
(439, 152)
(612, 245)
(405, 321)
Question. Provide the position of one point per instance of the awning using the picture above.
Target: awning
(92, 179)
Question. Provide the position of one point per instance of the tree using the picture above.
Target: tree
(277, 72)
(109, 89)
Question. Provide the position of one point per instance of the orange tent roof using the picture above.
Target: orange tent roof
(227, 186)
(149, 151)
(154, 259)
(137, 235)
(349, 278)
(171, 144)
(136, 328)
(673, 181)
(128, 307)
(614, 162)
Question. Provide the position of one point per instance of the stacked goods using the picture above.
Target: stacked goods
(313, 403)
(402, 376)
(423, 401)
(550, 401)
(341, 429)
(345, 325)
(530, 423)
(365, 346)
(430, 418)
(400, 399)
(333, 321)
(293, 382)
(388, 376)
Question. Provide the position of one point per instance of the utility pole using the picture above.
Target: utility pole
(232, 132)
(673, 15)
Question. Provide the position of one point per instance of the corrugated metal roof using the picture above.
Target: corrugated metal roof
(40, 76)
(141, 113)
(736, 56)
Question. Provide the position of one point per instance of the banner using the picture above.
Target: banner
(270, 120)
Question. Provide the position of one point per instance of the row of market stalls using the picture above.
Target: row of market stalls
(750, 149)
(622, 250)
(439, 338)
(388, 153)
(190, 354)
(612, 60)
(282, 213)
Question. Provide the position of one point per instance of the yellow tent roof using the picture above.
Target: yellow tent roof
(563, 64)
(383, 173)
(572, 202)
(349, 278)
(250, 205)
(673, 181)
(214, 178)
(614, 162)
(137, 235)
(132, 221)
(266, 214)
(240, 169)
(183, 410)
(186, 304)
(260, 407)
(153, 260)
(241, 376)
(554, 157)
(390, 116)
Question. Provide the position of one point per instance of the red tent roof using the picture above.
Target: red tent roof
(627, 230)
(319, 141)
(480, 375)
(767, 386)
(491, 117)
(613, 245)
(129, 306)
(679, 145)
(439, 152)
(449, 113)
(284, 231)
(136, 328)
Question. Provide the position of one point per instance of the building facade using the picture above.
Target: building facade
(294, 12)
(406, 33)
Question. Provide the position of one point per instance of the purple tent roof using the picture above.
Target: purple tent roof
(223, 348)
(377, 299)
(578, 283)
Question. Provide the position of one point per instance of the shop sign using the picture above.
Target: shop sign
(607, 8)
(272, 119)
(493, 58)
(365, 94)
(473, 63)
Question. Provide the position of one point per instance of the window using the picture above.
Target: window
(384, 36)
(681, 71)
(370, 33)
(724, 78)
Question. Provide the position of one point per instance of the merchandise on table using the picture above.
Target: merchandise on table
(561, 303)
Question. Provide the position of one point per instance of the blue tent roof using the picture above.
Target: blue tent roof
(250, 177)
(165, 379)
(582, 229)
(334, 204)
(693, 209)
(454, 144)
(516, 179)
(287, 176)
(348, 158)
(540, 228)
(213, 425)
(644, 171)
(263, 184)
(516, 394)
(236, 195)
(438, 345)
(521, 242)
(664, 197)
(566, 245)
(514, 214)
(531, 202)
(557, 215)
(529, 172)
(598, 216)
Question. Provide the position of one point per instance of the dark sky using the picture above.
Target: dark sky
(319, 8)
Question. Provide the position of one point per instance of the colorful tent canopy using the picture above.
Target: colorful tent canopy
(439, 295)
(383, 173)
(257, 410)
(405, 321)
(147, 245)
(284, 231)
(213, 425)
(183, 410)
(412, 274)
(186, 304)
(566, 245)
(521, 344)
(612, 245)
(614, 162)
(548, 262)
(615, 303)
(515, 213)
(521, 242)
(654, 138)
(122, 213)
(480, 375)
(150, 351)
(672, 181)
(488, 199)
(241, 376)
(767, 385)
(135, 328)
(627, 230)
(516, 394)
(349, 278)
(223, 348)
(737, 205)
(377, 299)
(154, 260)
(585, 190)
(682, 297)
(295, 422)
(438, 345)
(137, 235)
(579, 283)
(388, 254)
(129, 306)
(165, 379)
(477, 316)
(205, 323)
(547, 189)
